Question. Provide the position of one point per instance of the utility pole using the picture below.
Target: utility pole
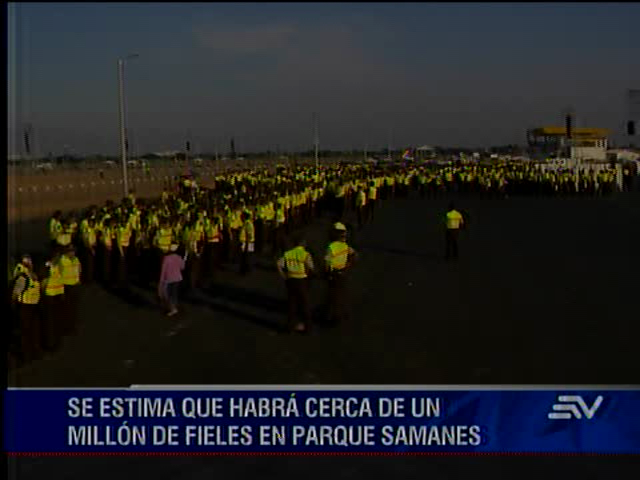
(123, 125)
(316, 138)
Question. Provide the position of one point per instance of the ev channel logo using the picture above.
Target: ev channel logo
(574, 407)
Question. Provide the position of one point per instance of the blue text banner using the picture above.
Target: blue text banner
(315, 420)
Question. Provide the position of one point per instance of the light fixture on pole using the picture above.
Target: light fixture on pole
(123, 126)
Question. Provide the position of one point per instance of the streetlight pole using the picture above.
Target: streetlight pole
(316, 138)
(123, 136)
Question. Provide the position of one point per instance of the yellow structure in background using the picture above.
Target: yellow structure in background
(582, 133)
(584, 144)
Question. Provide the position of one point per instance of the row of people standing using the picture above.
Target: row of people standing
(44, 303)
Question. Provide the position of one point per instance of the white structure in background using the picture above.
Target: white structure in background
(623, 155)
(586, 144)
(167, 154)
(425, 151)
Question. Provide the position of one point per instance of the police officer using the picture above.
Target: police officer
(26, 298)
(454, 220)
(247, 239)
(55, 229)
(294, 267)
(54, 304)
(339, 259)
(71, 270)
(89, 243)
(123, 241)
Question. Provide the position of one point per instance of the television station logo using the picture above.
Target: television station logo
(574, 407)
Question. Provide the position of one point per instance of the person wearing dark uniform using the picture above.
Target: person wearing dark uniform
(71, 271)
(454, 221)
(247, 239)
(89, 242)
(54, 305)
(213, 248)
(339, 259)
(193, 246)
(123, 241)
(26, 298)
(55, 229)
(295, 266)
(361, 205)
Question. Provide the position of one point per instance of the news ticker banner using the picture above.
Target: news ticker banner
(323, 419)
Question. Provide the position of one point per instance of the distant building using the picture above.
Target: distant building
(623, 155)
(553, 142)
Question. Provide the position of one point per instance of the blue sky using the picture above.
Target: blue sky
(440, 74)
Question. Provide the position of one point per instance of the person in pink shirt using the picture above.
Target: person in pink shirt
(170, 278)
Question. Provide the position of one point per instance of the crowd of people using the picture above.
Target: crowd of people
(191, 232)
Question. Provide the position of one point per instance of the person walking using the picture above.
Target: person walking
(339, 259)
(454, 221)
(170, 279)
(294, 267)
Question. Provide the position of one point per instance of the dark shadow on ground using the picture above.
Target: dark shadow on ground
(219, 303)
(396, 251)
(131, 298)
(246, 296)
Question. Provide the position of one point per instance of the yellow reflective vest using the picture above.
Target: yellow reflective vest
(70, 270)
(123, 236)
(53, 285)
(337, 255)
(64, 239)
(247, 232)
(163, 239)
(294, 262)
(55, 228)
(30, 295)
(89, 237)
(454, 220)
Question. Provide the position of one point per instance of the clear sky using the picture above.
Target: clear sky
(437, 74)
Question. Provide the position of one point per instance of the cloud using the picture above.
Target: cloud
(247, 40)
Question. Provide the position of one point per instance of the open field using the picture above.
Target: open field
(35, 195)
(545, 292)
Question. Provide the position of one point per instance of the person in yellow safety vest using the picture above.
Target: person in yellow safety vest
(123, 242)
(54, 305)
(165, 195)
(106, 251)
(339, 259)
(372, 197)
(279, 226)
(64, 236)
(340, 200)
(361, 205)
(294, 267)
(132, 197)
(25, 265)
(164, 237)
(71, 270)
(193, 245)
(162, 241)
(213, 248)
(26, 299)
(247, 238)
(55, 228)
(454, 221)
(260, 224)
(89, 243)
